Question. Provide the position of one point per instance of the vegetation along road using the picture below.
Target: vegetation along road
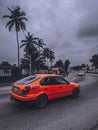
(61, 114)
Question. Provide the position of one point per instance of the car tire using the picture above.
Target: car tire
(75, 93)
(41, 101)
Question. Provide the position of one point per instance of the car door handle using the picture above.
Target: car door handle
(60, 87)
(45, 88)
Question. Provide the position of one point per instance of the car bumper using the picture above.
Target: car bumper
(17, 97)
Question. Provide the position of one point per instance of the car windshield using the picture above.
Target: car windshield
(27, 80)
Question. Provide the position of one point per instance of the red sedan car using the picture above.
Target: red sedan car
(43, 87)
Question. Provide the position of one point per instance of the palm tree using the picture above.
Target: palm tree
(16, 20)
(29, 47)
(25, 63)
(51, 57)
(36, 60)
(48, 55)
(66, 66)
(40, 44)
(46, 52)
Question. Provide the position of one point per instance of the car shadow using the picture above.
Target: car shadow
(19, 108)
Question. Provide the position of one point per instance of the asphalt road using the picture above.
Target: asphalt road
(61, 114)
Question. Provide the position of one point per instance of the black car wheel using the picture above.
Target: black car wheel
(76, 92)
(41, 101)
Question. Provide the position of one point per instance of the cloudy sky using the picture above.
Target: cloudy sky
(69, 27)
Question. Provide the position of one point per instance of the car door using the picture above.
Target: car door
(50, 87)
(64, 86)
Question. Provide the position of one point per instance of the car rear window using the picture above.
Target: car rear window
(27, 80)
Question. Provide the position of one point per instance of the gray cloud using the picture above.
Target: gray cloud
(68, 27)
(91, 31)
(89, 26)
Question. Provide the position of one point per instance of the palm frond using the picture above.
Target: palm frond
(22, 45)
(10, 26)
(6, 16)
(25, 41)
(23, 18)
(22, 25)
(10, 9)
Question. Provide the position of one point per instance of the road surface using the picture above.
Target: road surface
(61, 114)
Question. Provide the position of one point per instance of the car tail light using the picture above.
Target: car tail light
(15, 89)
(26, 90)
(35, 87)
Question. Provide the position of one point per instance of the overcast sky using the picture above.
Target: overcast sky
(69, 27)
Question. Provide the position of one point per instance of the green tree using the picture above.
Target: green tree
(48, 55)
(29, 44)
(40, 44)
(94, 60)
(5, 64)
(16, 20)
(46, 52)
(66, 65)
(83, 66)
(25, 63)
(36, 61)
(59, 63)
(51, 57)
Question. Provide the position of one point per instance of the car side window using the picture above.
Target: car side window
(60, 80)
(53, 81)
(49, 81)
(45, 81)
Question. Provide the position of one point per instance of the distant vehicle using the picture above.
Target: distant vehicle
(81, 73)
(40, 88)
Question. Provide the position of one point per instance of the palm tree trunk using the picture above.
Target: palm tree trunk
(30, 65)
(47, 62)
(51, 64)
(39, 55)
(18, 48)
